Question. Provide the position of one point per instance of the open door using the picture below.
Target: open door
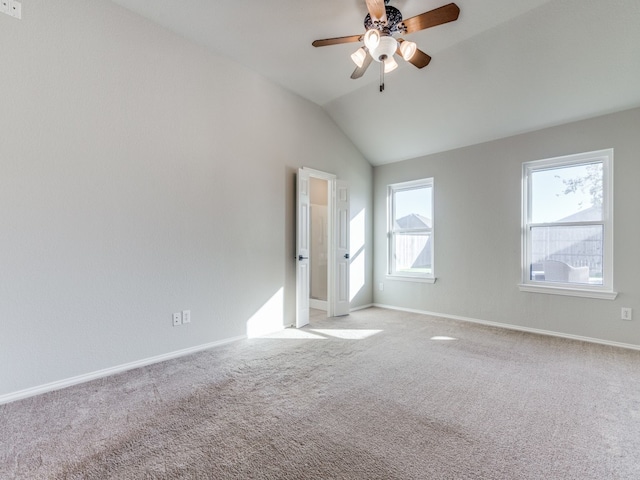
(338, 301)
(341, 299)
(302, 249)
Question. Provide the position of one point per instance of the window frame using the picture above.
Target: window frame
(392, 189)
(604, 291)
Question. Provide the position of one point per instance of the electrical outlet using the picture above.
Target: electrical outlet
(186, 316)
(177, 319)
(626, 314)
(381, 286)
(11, 7)
(15, 9)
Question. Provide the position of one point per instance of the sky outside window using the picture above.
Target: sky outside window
(549, 203)
(414, 200)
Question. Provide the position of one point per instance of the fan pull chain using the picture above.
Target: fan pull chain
(382, 75)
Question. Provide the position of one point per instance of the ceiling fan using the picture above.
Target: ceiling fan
(383, 26)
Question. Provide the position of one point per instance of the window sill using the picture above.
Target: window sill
(572, 292)
(407, 278)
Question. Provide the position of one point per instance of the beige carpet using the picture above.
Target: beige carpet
(376, 395)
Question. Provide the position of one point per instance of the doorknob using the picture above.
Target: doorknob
(346, 255)
(300, 257)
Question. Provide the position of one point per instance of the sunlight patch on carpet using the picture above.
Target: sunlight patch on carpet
(347, 334)
(294, 334)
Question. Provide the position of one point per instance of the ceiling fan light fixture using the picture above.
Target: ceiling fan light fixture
(385, 49)
(408, 50)
(381, 23)
(390, 64)
(372, 39)
(358, 57)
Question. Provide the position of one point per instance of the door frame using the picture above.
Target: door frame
(331, 251)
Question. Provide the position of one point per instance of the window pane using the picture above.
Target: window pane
(567, 254)
(412, 253)
(412, 208)
(567, 194)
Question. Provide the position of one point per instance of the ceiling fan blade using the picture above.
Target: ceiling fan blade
(335, 41)
(445, 14)
(359, 71)
(377, 10)
(418, 59)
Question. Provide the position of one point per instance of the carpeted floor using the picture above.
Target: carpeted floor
(376, 395)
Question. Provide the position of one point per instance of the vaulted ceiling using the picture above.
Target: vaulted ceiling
(504, 67)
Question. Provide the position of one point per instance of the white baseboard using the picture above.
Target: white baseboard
(513, 327)
(318, 304)
(49, 387)
(87, 377)
(361, 307)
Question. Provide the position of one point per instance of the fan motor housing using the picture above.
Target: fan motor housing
(394, 22)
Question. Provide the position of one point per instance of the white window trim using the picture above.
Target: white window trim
(408, 277)
(604, 291)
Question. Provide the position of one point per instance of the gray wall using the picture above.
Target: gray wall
(141, 175)
(477, 232)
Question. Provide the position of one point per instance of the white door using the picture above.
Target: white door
(342, 262)
(302, 249)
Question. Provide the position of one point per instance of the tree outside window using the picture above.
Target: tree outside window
(567, 221)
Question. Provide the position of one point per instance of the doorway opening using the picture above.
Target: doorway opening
(319, 243)
(322, 243)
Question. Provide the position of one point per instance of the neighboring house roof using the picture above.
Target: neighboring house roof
(413, 220)
(589, 214)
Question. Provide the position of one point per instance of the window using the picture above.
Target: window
(410, 234)
(567, 225)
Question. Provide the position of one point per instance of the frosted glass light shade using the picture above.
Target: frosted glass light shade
(390, 64)
(385, 49)
(408, 50)
(358, 57)
(372, 39)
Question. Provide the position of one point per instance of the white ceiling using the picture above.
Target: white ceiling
(504, 67)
